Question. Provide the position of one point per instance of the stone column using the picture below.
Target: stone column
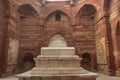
(104, 47)
(5, 44)
(109, 46)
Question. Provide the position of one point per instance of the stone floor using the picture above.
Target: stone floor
(105, 77)
(101, 77)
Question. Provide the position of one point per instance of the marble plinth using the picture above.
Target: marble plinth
(57, 63)
(86, 76)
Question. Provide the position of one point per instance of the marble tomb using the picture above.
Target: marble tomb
(57, 63)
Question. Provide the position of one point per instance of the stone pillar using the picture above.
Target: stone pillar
(109, 46)
(104, 50)
(5, 44)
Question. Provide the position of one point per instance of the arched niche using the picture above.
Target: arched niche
(27, 10)
(87, 15)
(57, 41)
(28, 61)
(86, 61)
(56, 18)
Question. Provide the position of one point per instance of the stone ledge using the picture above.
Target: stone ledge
(29, 75)
(57, 71)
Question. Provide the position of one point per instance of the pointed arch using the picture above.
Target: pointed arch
(86, 4)
(87, 15)
(50, 13)
(27, 10)
(87, 8)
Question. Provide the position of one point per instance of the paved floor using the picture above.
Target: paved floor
(101, 77)
(105, 77)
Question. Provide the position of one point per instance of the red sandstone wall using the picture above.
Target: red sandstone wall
(1, 22)
(9, 45)
(13, 43)
(30, 38)
(84, 34)
(62, 27)
(33, 36)
(101, 49)
(2, 11)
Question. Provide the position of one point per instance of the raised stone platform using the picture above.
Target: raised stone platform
(57, 63)
(87, 76)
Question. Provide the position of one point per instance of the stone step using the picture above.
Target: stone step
(65, 57)
(58, 63)
(57, 51)
(61, 70)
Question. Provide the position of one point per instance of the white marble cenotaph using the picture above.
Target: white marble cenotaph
(57, 63)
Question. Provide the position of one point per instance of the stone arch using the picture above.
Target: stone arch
(88, 7)
(28, 61)
(57, 40)
(63, 12)
(4, 11)
(27, 10)
(86, 61)
(94, 5)
(87, 16)
(62, 27)
(87, 11)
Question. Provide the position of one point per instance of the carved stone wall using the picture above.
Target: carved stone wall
(101, 55)
(12, 54)
(30, 38)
